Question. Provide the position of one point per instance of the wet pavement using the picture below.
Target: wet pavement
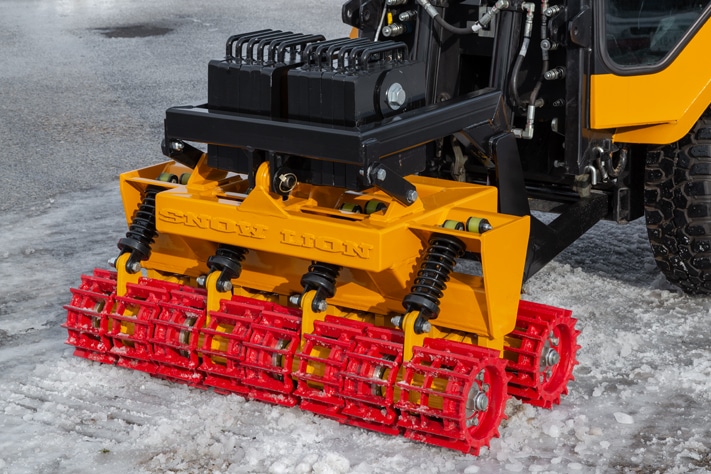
(84, 84)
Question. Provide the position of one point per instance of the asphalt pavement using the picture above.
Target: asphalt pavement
(84, 85)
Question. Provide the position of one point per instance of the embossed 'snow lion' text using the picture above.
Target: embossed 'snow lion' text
(218, 224)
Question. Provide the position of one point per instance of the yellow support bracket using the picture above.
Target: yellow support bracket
(308, 315)
(214, 296)
(123, 276)
(412, 338)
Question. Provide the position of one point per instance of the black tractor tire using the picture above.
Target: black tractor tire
(677, 207)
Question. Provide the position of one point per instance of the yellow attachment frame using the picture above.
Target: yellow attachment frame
(379, 253)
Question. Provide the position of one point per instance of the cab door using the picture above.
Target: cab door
(650, 78)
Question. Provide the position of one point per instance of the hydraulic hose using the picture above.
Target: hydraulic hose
(452, 29)
(528, 30)
(475, 28)
(544, 53)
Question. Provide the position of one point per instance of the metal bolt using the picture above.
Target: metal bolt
(381, 174)
(481, 401)
(112, 262)
(396, 96)
(425, 327)
(201, 280)
(177, 145)
(411, 196)
(295, 299)
(224, 285)
(320, 305)
(133, 267)
(551, 357)
(396, 321)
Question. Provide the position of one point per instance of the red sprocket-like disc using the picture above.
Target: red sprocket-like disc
(453, 395)
(86, 316)
(369, 378)
(541, 354)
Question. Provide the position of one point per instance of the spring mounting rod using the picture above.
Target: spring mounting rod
(227, 260)
(431, 281)
(321, 277)
(142, 232)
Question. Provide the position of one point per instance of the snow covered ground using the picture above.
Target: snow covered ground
(76, 108)
(640, 401)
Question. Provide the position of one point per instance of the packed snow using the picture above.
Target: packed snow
(640, 401)
(77, 108)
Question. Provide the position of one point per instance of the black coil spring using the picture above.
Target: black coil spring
(322, 278)
(227, 260)
(431, 281)
(142, 231)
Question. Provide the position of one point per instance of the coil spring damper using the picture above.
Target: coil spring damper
(431, 281)
(141, 232)
(227, 260)
(320, 278)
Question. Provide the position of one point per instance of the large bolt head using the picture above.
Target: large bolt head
(551, 357)
(224, 286)
(133, 267)
(320, 306)
(481, 402)
(396, 96)
(411, 196)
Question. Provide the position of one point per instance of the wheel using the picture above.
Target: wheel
(453, 395)
(541, 353)
(677, 205)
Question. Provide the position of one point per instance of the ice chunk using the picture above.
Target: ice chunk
(623, 418)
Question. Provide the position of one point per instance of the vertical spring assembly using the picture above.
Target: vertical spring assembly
(141, 232)
(227, 260)
(321, 277)
(431, 280)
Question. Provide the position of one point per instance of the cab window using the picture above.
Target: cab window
(642, 32)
